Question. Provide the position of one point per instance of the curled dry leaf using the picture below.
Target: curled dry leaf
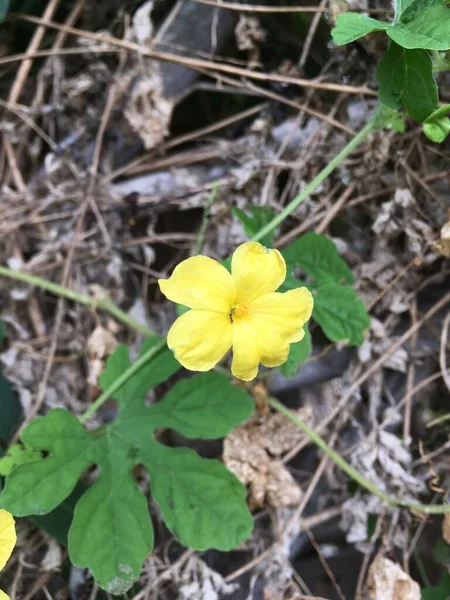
(252, 453)
(100, 345)
(387, 581)
(442, 246)
(148, 112)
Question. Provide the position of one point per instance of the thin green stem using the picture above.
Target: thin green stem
(104, 304)
(351, 472)
(318, 179)
(202, 230)
(122, 380)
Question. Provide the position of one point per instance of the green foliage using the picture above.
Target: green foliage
(202, 503)
(341, 313)
(255, 219)
(317, 255)
(298, 355)
(15, 456)
(406, 72)
(441, 591)
(352, 26)
(337, 307)
(406, 79)
(437, 125)
(427, 28)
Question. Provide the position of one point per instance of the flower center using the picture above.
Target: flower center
(238, 310)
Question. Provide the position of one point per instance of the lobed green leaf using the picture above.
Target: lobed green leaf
(341, 313)
(111, 533)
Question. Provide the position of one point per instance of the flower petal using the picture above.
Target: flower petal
(284, 313)
(256, 271)
(200, 339)
(202, 283)
(8, 537)
(254, 342)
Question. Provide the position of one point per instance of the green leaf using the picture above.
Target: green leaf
(206, 407)
(437, 125)
(57, 522)
(406, 79)
(437, 130)
(317, 255)
(298, 355)
(259, 217)
(341, 313)
(441, 591)
(17, 455)
(352, 26)
(429, 29)
(413, 8)
(111, 533)
(388, 118)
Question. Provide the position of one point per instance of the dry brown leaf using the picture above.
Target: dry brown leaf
(387, 581)
(446, 528)
(100, 345)
(443, 244)
(148, 112)
(252, 451)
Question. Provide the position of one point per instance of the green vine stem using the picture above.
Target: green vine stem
(318, 179)
(108, 306)
(105, 304)
(351, 472)
(121, 381)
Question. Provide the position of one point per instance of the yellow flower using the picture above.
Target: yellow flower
(7, 541)
(240, 310)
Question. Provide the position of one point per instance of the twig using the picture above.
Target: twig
(318, 179)
(122, 380)
(410, 381)
(104, 304)
(351, 472)
(196, 64)
(259, 8)
(35, 42)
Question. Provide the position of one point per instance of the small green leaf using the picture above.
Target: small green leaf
(341, 313)
(441, 591)
(429, 29)
(352, 26)
(415, 7)
(259, 217)
(437, 130)
(389, 118)
(437, 125)
(298, 355)
(442, 111)
(111, 533)
(317, 255)
(17, 455)
(406, 79)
